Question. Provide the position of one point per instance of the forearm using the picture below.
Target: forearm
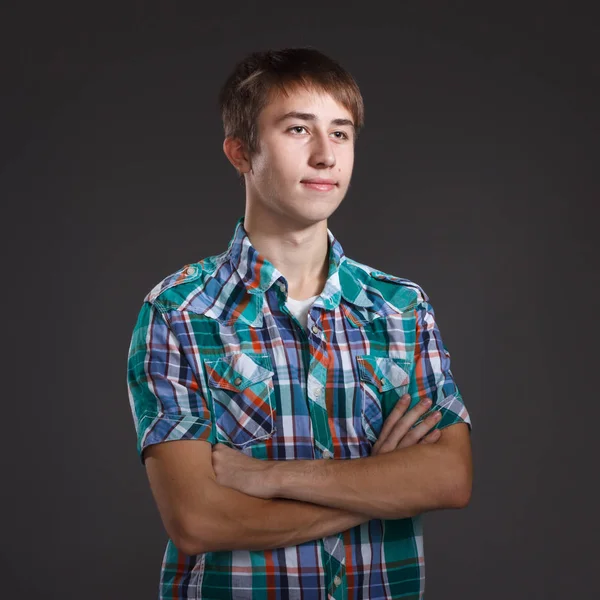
(233, 520)
(393, 485)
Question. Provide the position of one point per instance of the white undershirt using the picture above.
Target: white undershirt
(300, 308)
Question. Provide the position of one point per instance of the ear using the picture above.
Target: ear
(236, 153)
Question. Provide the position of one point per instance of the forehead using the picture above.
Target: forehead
(322, 104)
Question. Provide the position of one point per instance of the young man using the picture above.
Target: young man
(290, 381)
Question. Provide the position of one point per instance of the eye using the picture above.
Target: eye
(344, 134)
(297, 127)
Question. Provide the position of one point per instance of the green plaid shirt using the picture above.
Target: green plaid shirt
(216, 355)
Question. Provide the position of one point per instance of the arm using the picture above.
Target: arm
(202, 516)
(394, 485)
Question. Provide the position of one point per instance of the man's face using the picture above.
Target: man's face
(303, 137)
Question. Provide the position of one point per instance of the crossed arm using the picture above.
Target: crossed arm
(201, 515)
(392, 485)
(216, 498)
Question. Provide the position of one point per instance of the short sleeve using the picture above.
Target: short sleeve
(164, 395)
(431, 376)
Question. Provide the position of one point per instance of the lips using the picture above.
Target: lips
(319, 180)
(319, 187)
(319, 184)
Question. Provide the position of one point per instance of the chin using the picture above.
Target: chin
(314, 216)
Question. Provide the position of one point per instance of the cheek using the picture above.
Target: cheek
(349, 159)
(281, 167)
(269, 178)
(346, 166)
(268, 164)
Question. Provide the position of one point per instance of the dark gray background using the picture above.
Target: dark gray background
(475, 176)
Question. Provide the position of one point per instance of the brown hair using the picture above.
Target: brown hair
(254, 79)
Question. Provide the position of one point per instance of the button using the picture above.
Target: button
(327, 454)
(315, 329)
(237, 380)
(336, 581)
(190, 271)
(317, 392)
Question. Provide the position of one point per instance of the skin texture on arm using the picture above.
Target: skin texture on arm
(200, 515)
(393, 485)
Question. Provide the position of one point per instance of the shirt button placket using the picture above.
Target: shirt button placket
(338, 592)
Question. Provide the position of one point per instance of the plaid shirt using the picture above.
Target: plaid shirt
(216, 355)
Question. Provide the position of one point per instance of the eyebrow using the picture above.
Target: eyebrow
(294, 114)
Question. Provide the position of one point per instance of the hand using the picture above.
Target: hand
(243, 473)
(397, 432)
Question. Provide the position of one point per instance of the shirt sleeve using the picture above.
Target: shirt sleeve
(431, 376)
(164, 395)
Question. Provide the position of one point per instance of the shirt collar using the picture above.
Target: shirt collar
(258, 274)
(356, 283)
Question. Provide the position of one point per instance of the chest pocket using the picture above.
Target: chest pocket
(243, 398)
(383, 380)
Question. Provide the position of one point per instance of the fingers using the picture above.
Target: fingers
(401, 433)
(416, 433)
(403, 426)
(396, 414)
(432, 437)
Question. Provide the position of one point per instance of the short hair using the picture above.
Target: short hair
(255, 78)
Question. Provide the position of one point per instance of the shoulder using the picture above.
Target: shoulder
(396, 290)
(389, 280)
(173, 290)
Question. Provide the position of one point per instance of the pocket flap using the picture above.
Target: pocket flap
(384, 372)
(238, 370)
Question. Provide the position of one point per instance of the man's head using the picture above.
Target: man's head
(275, 154)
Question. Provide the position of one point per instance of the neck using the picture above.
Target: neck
(299, 252)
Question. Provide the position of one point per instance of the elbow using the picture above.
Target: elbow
(204, 528)
(203, 535)
(461, 488)
(185, 538)
(461, 498)
(187, 545)
(209, 532)
(193, 534)
(190, 541)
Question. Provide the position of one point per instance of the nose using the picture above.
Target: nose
(322, 154)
